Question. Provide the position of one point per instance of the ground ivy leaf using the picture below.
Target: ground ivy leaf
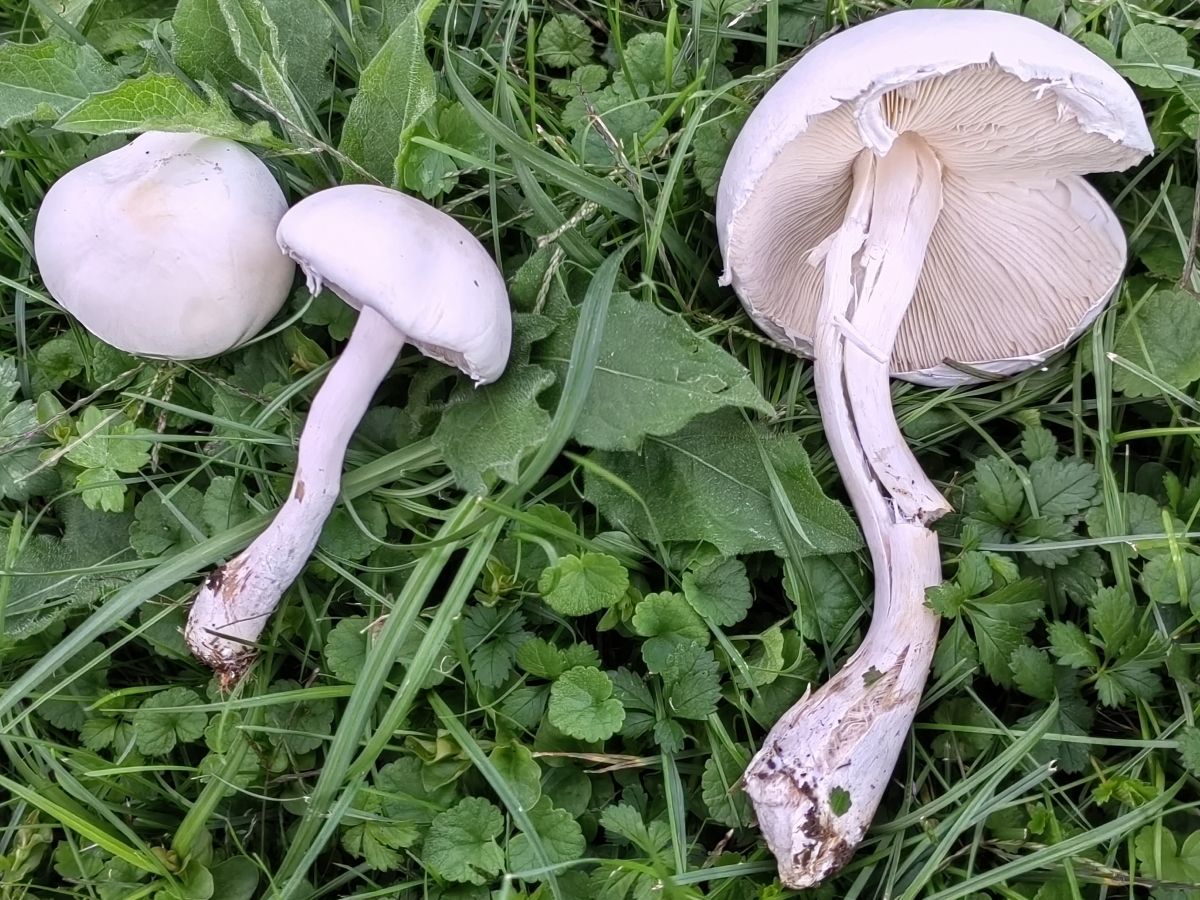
(167, 520)
(1168, 581)
(521, 772)
(708, 482)
(394, 91)
(565, 42)
(163, 720)
(654, 374)
(1162, 857)
(719, 786)
(489, 430)
(582, 705)
(719, 591)
(299, 726)
(461, 844)
(579, 585)
(163, 103)
(1146, 52)
(39, 82)
(343, 536)
(224, 505)
(666, 621)
(691, 685)
(541, 659)
(1162, 337)
(559, 834)
(346, 648)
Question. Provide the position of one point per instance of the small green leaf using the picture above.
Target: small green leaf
(582, 705)
(1168, 581)
(163, 720)
(520, 771)
(666, 621)
(1112, 618)
(1163, 336)
(580, 585)
(1033, 672)
(167, 520)
(461, 844)
(1071, 646)
(840, 801)
(559, 834)
(1146, 51)
(301, 725)
(1063, 487)
(999, 488)
(1189, 749)
(691, 685)
(719, 591)
(720, 786)
(565, 41)
(541, 659)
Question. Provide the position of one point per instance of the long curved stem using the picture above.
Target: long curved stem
(822, 771)
(235, 601)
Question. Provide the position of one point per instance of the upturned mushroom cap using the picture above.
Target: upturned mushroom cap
(1024, 253)
(166, 247)
(413, 264)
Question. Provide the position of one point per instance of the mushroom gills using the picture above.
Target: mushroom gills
(822, 771)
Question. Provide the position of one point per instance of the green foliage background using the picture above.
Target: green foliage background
(555, 616)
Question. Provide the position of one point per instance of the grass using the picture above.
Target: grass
(518, 666)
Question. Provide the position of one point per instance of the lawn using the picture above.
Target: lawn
(554, 617)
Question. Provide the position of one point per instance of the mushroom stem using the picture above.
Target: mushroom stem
(235, 601)
(822, 771)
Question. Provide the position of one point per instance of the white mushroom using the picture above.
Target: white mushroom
(906, 200)
(417, 277)
(166, 247)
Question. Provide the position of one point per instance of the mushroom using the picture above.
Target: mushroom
(908, 200)
(416, 276)
(166, 247)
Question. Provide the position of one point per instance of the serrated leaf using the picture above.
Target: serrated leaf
(520, 771)
(1162, 337)
(719, 591)
(163, 720)
(493, 637)
(1000, 621)
(163, 521)
(1146, 52)
(541, 659)
(654, 374)
(720, 786)
(1063, 487)
(582, 705)
(39, 82)
(565, 41)
(461, 844)
(1189, 749)
(999, 488)
(1038, 443)
(1168, 581)
(1112, 618)
(489, 430)
(708, 482)
(1071, 646)
(1033, 672)
(559, 834)
(160, 103)
(394, 91)
(580, 585)
(691, 684)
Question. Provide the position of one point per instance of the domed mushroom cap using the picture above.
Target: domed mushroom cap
(1024, 253)
(166, 247)
(413, 264)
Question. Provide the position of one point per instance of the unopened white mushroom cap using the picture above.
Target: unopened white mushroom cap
(413, 264)
(1024, 253)
(166, 247)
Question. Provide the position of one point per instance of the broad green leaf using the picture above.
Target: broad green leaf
(520, 771)
(1146, 52)
(582, 705)
(39, 82)
(541, 659)
(719, 591)
(161, 103)
(580, 585)
(1162, 337)
(1112, 618)
(354, 536)
(691, 685)
(666, 621)
(1162, 857)
(164, 720)
(654, 375)
(999, 488)
(461, 844)
(394, 91)
(1168, 581)
(565, 42)
(708, 482)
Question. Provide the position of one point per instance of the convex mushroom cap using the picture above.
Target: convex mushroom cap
(1024, 253)
(411, 263)
(166, 247)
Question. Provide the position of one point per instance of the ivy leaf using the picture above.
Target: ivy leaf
(461, 844)
(163, 103)
(354, 535)
(564, 42)
(559, 834)
(691, 685)
(163, 521)
(224, 505)
(719, 591)
(1163, 335)
(666, 621)
(710, 149)
(163, 720)
(653, 375)
(1162, 857)
(374, 838)
(582, 705)
(579, 585)
(719, 786)
(39, 82)
(708, 482)
(299, 726)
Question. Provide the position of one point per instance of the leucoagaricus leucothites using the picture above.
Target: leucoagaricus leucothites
(417, 277)
(907, 201)
(166, 247)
